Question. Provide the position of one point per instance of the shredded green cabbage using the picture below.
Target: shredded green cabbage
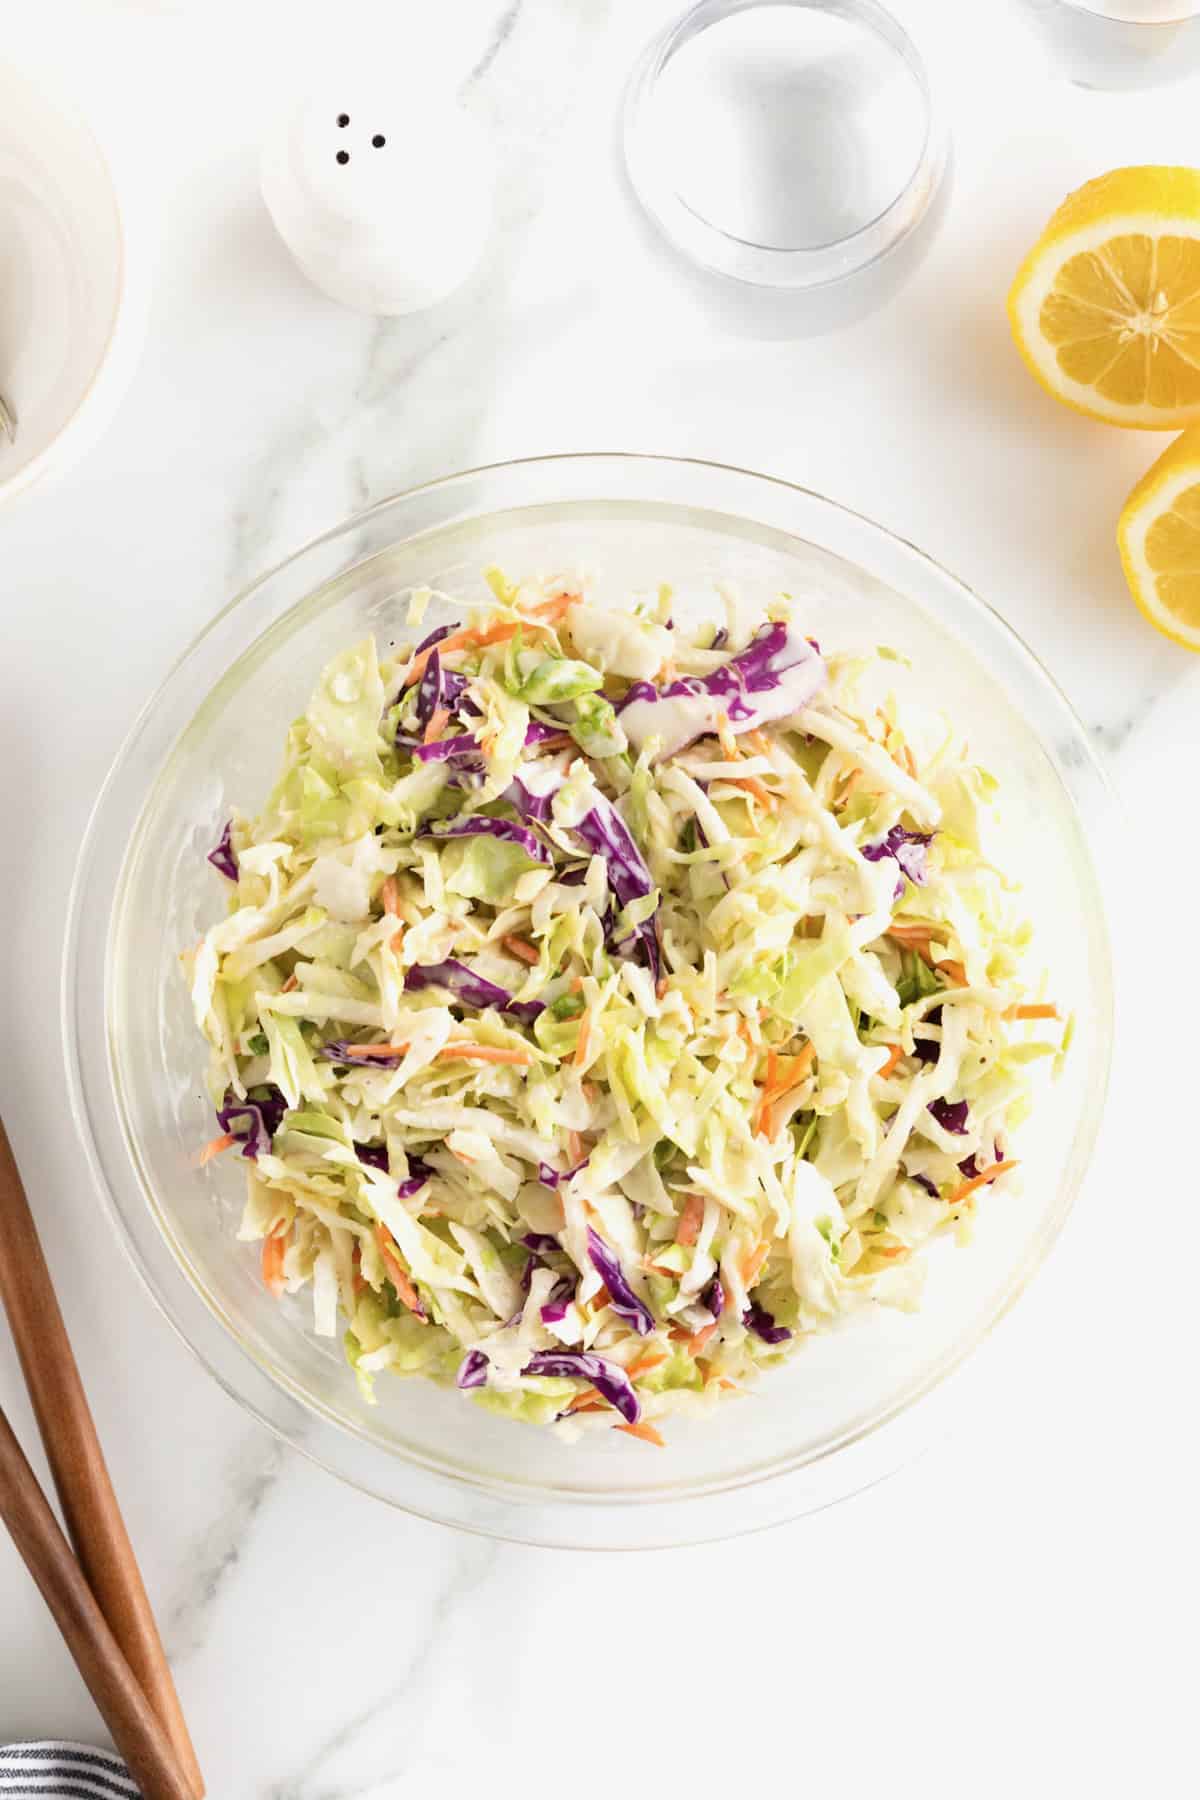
(676, 1060)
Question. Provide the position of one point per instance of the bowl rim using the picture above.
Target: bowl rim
(514, 1510)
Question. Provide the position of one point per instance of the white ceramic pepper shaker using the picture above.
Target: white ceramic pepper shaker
(384, 200)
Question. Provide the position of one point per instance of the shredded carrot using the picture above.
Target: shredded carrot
(726, 738)
(954, 971)
(521, 948)
(968, 1187)
(438, 721)
(585, 1038)
(694, 1341)
(660, 987)
(653, 1268)
(910, 935)
(214, 1148)
(290, 984)
(752, 785)
(397, 1274)
(378, 1049)
(574, 1147)
(389, 894)
(895, 1055)
(589, 1401)
(576, 986)
(757, 741)
(690, 1220)
(590, 1092)
(396, 941)
(752, 1264)
(646, 1432)
(906, 757)
(731, 1385)
(273, 1251)
(477, 639)
(892, 1251)
(649, 1359)
(1031, 1012)
(493, 1053)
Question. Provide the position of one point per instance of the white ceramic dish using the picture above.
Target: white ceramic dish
(68, 337)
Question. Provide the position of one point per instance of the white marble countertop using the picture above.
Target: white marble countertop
(1011, 1614)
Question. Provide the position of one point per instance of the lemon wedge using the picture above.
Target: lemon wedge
(1159, 539)
(1105, 309)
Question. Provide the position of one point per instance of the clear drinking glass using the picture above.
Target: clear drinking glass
(851, 1406)
(785, 144)
(1120, 43)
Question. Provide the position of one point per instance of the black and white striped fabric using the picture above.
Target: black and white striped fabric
(57, 1771)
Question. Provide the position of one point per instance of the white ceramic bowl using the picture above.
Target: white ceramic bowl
(68, 337)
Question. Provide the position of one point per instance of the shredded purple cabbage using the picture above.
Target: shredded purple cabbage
(927, 1050)
(714, 1297)
(909, 850)
(529, 805)
(374, 1155)
(497, 828)
(222, 857)
(472, 989)
(777, 661)
(539, 1242)
(434, 637)
(553, 1178)
(537, 733)
(438, 688)
(624, 1301)
(720, 639)
(555, 1309)
(261, 1118)
(950, 1115)
(419, 1173)
(758, 1320)
(605, 833)
(341, 1050)
(465, 749)
(472, 1370)
(930, 1187)
(580, 1365)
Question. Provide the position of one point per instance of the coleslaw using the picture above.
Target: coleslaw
(602, 1009)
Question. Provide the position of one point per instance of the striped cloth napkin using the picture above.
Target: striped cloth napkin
(57, 1771)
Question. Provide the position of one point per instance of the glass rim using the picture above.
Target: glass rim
(796, 267)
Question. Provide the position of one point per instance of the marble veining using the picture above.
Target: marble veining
(247, 1481)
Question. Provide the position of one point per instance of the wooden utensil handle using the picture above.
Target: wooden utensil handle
(76, 1460)
(135, 1727)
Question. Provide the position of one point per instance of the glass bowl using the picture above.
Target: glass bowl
(844, 1411)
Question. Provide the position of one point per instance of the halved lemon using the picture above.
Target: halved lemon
(1105, 309)
(1159, 539)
